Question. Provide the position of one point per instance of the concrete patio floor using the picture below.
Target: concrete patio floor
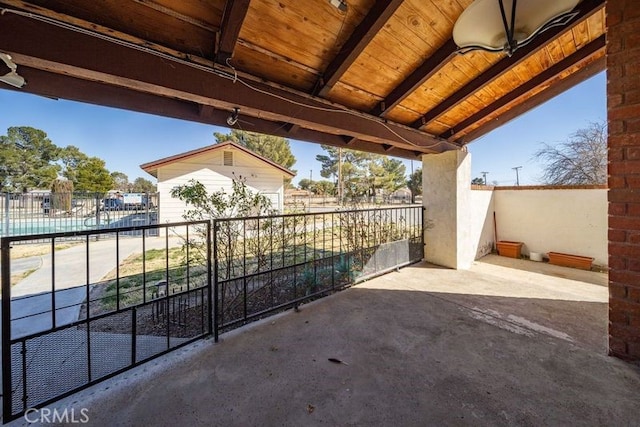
(508, 342)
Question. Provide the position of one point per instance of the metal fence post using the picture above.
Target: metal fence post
(97, 215)
(423, 229)
(213, 296)
(7, 222)
(7, 395)
(147, 201)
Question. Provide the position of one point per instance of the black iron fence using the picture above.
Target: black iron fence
(96, 307)
(264, 264)
(100, 307)
(46, 212)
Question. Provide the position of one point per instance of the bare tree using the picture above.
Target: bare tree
(582, 159)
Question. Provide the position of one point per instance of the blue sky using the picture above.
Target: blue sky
(126, 139)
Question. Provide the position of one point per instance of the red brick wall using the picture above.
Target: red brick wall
(623, 103)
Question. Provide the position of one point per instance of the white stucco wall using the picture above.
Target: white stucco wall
(482, 240)
(208, 168)
(561, 220)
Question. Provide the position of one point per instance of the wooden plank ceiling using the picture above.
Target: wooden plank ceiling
(382, 76)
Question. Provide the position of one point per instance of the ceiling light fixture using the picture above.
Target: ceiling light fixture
(11, 78)
(339, 4)
(506, 25)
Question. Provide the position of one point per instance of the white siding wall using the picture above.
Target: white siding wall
(209, 170)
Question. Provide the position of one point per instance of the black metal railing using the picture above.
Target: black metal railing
(72, 327)
(98, 307)
(265, 264)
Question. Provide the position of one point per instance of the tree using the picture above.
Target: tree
(61, 194)
(387, 174)
(581, 159)
(305, 184)
(477, 181)
(414, 183)
(141, 185)
(72, 158)
(120, 181)
(324, 187)
(93, 176)
(274, 148)
(353, 170)
(27, 159)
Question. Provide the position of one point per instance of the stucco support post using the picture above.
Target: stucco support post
(446, 189)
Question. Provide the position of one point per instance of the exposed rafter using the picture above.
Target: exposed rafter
(566, 83)
(164, 57)
(349, 140)
(291, 128)
(162, 9)
(232, 19)
(49, 84)
(550, 73)
(377, 17)
(143, 71)
(587, 8)
(421, 74)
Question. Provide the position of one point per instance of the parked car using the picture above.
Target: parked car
(142, 204)
(111, 205)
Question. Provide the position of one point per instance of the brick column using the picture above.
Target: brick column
(623, 105)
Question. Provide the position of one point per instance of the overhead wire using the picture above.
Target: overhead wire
(211, 69)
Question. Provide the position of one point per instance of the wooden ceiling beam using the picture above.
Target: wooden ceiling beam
(63, 51)
(377, 17)
(349, 140)
(172, 13)
(563, 85)
(52, 85)
(232, 19)
(424, 72)
(586, 9)
(205, 110)
(291, 128)
(550, 73)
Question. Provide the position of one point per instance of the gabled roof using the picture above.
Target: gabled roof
(152, 167)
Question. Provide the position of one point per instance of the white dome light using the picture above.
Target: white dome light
(505, 25)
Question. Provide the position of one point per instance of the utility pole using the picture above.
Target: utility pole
(484, 175)
(310, 185)
(517, 176)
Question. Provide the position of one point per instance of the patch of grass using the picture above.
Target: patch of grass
(20, 276)
(38, 249)
(130, 290)
(133, 284)
(154, 259)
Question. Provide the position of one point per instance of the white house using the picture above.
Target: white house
(215, 166)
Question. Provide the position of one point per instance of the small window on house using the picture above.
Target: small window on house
(228, 158)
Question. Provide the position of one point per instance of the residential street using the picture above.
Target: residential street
(31, 297)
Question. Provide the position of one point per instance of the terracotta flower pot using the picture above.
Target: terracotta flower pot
(509, 249)
(569, 260)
